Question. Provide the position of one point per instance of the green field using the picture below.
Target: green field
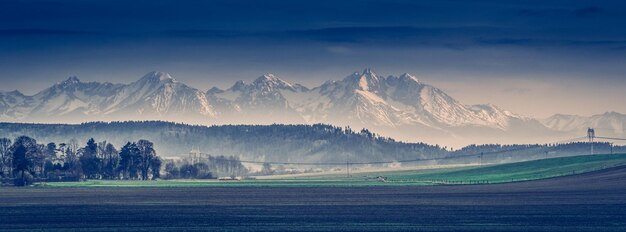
(521, 171)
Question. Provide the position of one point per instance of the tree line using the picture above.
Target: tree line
(297, 143)
(205, 167)
(294, 143)
(24, 161)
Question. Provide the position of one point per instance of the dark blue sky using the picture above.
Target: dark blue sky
(563, 54)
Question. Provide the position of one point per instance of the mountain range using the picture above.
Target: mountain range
(401, 107)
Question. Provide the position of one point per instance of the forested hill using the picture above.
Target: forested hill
(282, 143)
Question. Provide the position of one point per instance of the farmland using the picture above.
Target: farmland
(594, 201)
(590, 200)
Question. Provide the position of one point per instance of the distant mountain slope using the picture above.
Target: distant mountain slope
(398, 106)
(608, 124)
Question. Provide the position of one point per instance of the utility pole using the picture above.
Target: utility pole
(481, 158)
(611, 145)
(348, 169)
(11, 168)
(347, 165)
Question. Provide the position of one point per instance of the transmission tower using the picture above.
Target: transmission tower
(591, 134)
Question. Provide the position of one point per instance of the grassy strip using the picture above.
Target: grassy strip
(243, 183)
(500, 173)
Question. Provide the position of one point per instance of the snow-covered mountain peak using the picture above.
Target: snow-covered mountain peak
(157, 77)
(612, 114)
(408, 77)
(271, 81)
(214, 90)
(267, 78)
(265, 84)
(608, 124)
(15, 93)
(368, 72)
(367, 80)
(238, 86)
(71, 80)
(68, 83)
(369, 75)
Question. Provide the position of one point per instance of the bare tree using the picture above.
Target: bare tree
(73, 146)
(39, 160)
(5, 157)
(147, 158)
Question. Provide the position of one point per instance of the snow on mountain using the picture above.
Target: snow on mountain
(266, 100)
(155, 96)
(65, 99)
(608, 124)
(357, 99)
(565, 122)
(14, 105)
(158, 95)
(393, 101)
(71, 97)
(399, 106)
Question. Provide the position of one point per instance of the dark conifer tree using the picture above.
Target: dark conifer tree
(89, 160)
(24, 151)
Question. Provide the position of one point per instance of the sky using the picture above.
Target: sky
(535, 58)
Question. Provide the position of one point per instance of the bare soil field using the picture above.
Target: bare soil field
(594, 201)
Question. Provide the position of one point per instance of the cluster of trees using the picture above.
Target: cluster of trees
(208, 167)
(24, 160)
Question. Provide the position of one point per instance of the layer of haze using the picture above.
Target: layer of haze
(535, 58)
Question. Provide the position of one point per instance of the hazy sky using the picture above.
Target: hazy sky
(531, 57)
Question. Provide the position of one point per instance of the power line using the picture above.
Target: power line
(622, 139)
(569, 140)
(347, 163)
(394, 161)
